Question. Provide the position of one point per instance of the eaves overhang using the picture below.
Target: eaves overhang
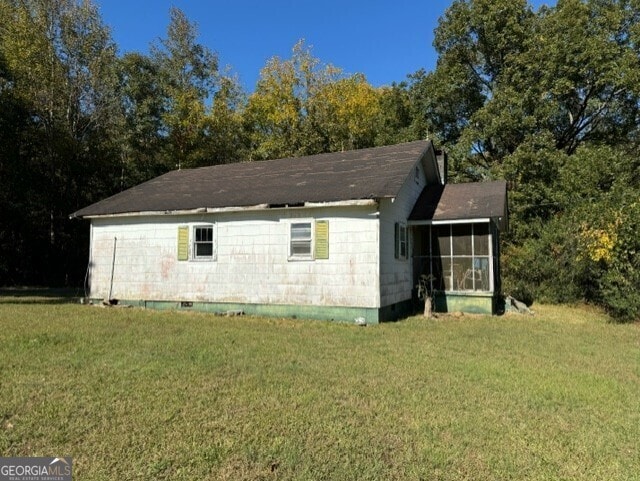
(219, 210)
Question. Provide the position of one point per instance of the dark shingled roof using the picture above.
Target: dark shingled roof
(359, 174)
(475, 200)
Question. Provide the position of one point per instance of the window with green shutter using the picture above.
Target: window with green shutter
(197, 242)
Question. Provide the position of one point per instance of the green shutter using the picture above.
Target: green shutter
(322, 239)
(183, 243)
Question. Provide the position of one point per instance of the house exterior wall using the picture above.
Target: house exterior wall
(396, 277)
(251, 266)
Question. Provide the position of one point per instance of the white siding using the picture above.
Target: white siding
(396, 278)
(252, 263)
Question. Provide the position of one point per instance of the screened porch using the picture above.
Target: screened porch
(455, 244)
(457, 257)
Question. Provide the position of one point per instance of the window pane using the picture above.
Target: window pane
(461, 239)
(403, 242)
(446, 273)
(462, 273)
(204, 234)
(436, 272)
(300, 248)
(204, 249)
(481, 239)
(301, 230)
(481, 273)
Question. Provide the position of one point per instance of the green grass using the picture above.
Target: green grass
(133, 394)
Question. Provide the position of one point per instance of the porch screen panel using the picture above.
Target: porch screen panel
(446, 279)
(481, 239)
(440, 257)
(459, 257)
(481, 257)
(461, 240)
(461, 252)
(442, 239)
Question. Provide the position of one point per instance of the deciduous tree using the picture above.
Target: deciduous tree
(60, 60)
(302, 107)
(188, 72)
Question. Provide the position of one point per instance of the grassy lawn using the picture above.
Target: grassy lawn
(133, 394)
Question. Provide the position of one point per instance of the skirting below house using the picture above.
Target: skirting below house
(327, 313)
(471, 302)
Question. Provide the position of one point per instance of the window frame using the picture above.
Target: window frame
(213, 242)
(310, 240)
(401, 239)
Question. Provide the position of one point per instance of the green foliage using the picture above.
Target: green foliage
(548, 100)
(545, 268)
(531, 171)
(196, 99)
(61, 90)
(227, 139)
(302, 107)
(143, 109)
(346, 112)
(587, 248)
(81, 124)
(396, 119)
(520, 74)
(275, 110)
(610, 253)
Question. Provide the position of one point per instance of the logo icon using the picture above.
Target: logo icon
(35, 469)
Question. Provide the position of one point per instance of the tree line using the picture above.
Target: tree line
(546, 99)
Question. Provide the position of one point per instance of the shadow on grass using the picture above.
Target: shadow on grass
(40, 295)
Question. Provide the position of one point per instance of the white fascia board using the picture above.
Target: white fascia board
(216, 210)
(200, 210)
(342, 203)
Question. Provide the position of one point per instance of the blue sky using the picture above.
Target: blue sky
(384, 40)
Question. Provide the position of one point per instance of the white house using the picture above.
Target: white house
(331, 236)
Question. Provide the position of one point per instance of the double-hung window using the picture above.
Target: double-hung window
(301, 240)
(203, 242)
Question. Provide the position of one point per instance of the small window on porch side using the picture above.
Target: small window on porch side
(401, 243)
